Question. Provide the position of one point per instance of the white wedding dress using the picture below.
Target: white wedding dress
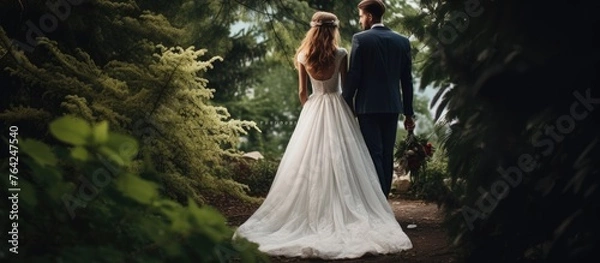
(325, 201)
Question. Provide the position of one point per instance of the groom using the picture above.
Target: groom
(380, 65)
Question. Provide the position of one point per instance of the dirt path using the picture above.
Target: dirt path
(430, 244)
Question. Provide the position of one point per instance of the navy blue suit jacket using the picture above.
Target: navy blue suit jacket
(380, 67)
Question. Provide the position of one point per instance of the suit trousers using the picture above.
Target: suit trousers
(379, 132)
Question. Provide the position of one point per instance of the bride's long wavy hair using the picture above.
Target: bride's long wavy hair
(320, 43)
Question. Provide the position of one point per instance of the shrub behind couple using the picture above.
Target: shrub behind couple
(329, 197)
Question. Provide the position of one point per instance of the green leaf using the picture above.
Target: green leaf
(124, 146)
(208, 221)
(112, 155)
(39, 152)
(180, 223)
(167, 204)
(80, 153)
(100, 132)
(71, 130)
(138, 189)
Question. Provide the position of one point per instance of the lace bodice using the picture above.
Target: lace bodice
(331, 85)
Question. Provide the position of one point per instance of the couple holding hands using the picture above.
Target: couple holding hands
(329, 197)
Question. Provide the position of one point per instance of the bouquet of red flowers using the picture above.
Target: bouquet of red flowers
(413, 153)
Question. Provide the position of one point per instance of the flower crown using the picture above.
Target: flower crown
(318, 23)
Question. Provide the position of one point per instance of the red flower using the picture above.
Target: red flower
(429, 149)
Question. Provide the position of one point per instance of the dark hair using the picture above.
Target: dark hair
(374, 7)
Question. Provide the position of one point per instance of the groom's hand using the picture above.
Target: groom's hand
(409, 123)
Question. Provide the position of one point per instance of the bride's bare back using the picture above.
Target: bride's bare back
(323, 74)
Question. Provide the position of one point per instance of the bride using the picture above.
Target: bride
(325, 201)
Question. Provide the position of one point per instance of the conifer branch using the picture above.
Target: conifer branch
(18, 63)
(4, 55)
(283, 46)
(7, 46)
(163, 90)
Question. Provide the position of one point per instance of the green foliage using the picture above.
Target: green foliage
(155, 93)
(507, 88)
(274, 107)
(430, 184)
(256, 174)
(107, 207)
